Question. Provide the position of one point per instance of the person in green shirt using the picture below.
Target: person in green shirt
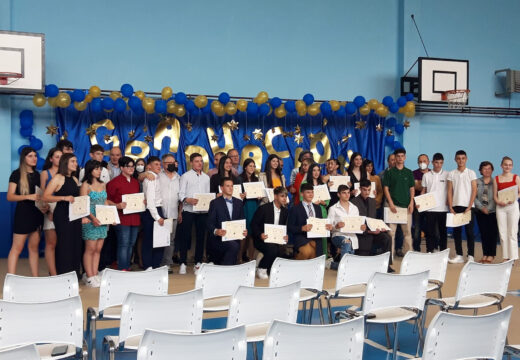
(399, 191)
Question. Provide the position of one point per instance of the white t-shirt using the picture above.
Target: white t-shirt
(461, 182)
(338, 213)
(437, 182)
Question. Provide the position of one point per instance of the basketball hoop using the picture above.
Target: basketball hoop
(456, 99)
(7, 78)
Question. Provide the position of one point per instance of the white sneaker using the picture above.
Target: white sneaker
(456, 260)
(328, 262)
(262, 274)
(196, 268)
(211, 263)
(92, 283)
(84, 278)
(471, 258)
(182, 270)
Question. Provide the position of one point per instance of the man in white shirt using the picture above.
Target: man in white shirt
(462, 191)
(192, 182)
(113, 165)
(435, 181)
(169, 182)
(96, 153)
(152, 192)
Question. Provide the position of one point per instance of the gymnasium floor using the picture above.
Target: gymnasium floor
(179, 283)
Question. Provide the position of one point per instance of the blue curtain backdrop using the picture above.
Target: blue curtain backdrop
(367, 141)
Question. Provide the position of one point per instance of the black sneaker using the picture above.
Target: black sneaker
(399, 253)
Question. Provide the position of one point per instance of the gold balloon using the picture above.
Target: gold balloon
(314, 109)
(255, 100)
(373, 104)
(171, 106)
(169, 127)
(334, 104)
(201, 101)
(302, 111)
(262, 97)
(380, 109)
(149, 105)
(364, 110)
(300, 105)
(39, 100)
(220, 112)
(180, 110)
(95, 91)
(217, 107)
(114, 95)
(409, 113)
(80, 106)
(409, 107)
(280, 112)
(88, 98)
(242, 105)
(63, 100)
(145, 149)
(53, 101)
(140, 94)
(166, 92)
(231, 108)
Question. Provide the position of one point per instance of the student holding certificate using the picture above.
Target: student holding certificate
(507, 212)
(354, 170)
(332, 167)
(225, 168)
(272, 176)
(271, 213)
(250, 205)
(224, 208)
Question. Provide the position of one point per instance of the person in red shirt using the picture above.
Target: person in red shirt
(306, 163)
(126, 232)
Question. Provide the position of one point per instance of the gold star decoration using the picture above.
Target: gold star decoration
(346, 138)
(325, 122)
(297, 130)
(257, 134)
(389, 132)
(406, 124)
(131, 134)
(106, 138)
(65, 135)
(233, 125)
(311, 136)
(360, 124)
(246, 137)
(52, 130)
(214, 137)
(148, 138)
(189, 126)
(298, 138)
(90, 131)
(145, 129)
(379, 127)
(287, 134)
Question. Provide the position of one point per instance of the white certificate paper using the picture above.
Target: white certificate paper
(275, 233)
(508, 195)
(376, 224)
(319, 229)
(457, 220)
(107, 214)
(134, 203)
(321, 193)
(161, 234)
(270, 195)
(353, 224)
(426, 202)
(401, 217)
(234, 230)
(79, 208)
(204, 200)
(254, 190)
(337, 181)
(237, 190)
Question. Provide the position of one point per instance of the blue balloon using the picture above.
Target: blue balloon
(21, 148)
(341, 111)
(326, 109)
(180, 98)
(127, 90)
(387, 101)
(390, 122)
(401, 101)
(36, 144)
(252, 108)
(351, 108)
(107, 103)
(409, 97)
(398, 145)
(51, 90)
(195, 112)
(120, 105)
(275, 102)
(290, 106)
(26, 119)
(71, 107)
(308, 99)
(393, 108)
(40, 163)
(207, 109)
(389, 140)
(264, 109)
(77, 95)
(26, 132)
(96, 104)
(399, 128)
(223, 98)
(160, 106)
(190, 105)
(359, 101)
(134, 102)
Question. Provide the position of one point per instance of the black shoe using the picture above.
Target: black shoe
(399, 253)
(390, 270)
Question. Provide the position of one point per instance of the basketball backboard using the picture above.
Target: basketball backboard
(24, 54)
(439, 75)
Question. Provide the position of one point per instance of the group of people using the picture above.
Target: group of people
(75, 245)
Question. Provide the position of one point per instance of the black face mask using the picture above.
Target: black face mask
(171, 168)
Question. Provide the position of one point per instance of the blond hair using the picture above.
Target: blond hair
(24, 171)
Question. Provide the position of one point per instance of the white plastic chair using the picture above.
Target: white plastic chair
(45, 324)
(27, 352)
(353, 274)
(228, 344)
(115, 286)
(219, 283)
(437, 263)
(179, 313)
(309, 273)
(40, 289)
(257, 307)
(454, 336)
(284, 341)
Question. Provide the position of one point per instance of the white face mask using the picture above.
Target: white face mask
(139, 168)
(423, 166)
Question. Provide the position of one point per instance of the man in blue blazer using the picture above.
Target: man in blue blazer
(224, 208)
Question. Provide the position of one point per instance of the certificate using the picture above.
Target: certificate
(319, 229)
(40, 204)
(457, 220)
(161, 234)
(321, 193)
(254, 190)
(372, 189)
(426, 202)
(107, 214)
(134, 203)
(79, 208)
(508, 195)
(204, 200)
(270, 195)
(401, 217)
(237, 190)
(234, 230)
(275, 233)
(337, 181)
(376, 224)
(353, 224)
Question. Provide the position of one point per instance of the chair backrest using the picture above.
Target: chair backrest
(58, 321)
(255, 305)
(390, 290)
(115, 285)
(179, 312)
(437, 263)
(40, 289)
(356, 270)
(309, 273)
(454, 336)
(228, 344)
(343, 340)
(476, 278)
(27, 352)
(219, 280)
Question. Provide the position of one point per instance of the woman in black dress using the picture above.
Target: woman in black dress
(28, 219)
(62, 189)
(224, 170)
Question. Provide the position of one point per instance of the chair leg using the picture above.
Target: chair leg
(320, 308)
(396, 340)
(255, 351)
(395, 328)
(475, 312)
(420, 344)
(387, 335)
(304, 312)
(91, 333)
(311, 311)
(439, 291)
(499, 306)
(329, 310)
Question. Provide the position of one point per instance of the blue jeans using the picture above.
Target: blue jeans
(126, 236)
(345, 248)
